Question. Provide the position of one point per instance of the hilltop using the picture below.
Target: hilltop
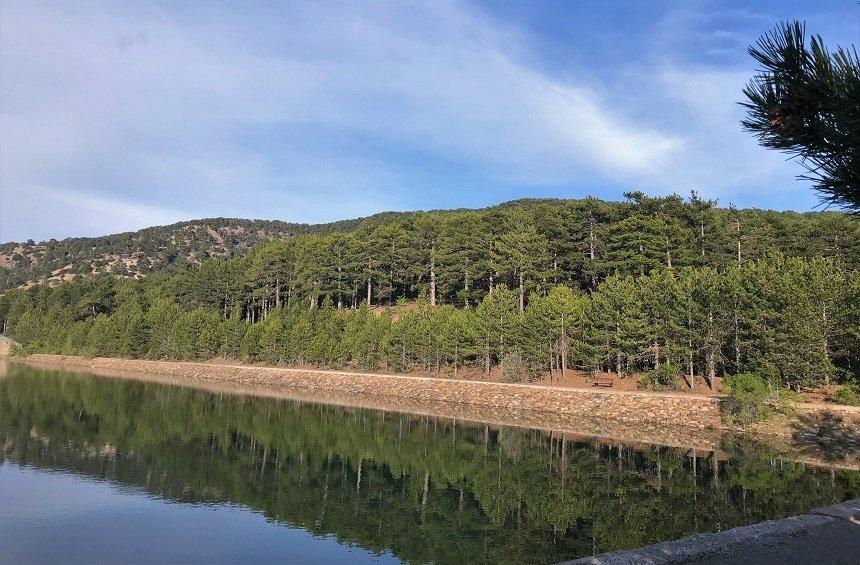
(135, 254)
(182, 245)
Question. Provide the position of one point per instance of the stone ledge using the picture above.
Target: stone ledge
(766, 542)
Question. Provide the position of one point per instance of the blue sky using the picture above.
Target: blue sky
(117, 115)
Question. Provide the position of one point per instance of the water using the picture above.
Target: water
(96, 469)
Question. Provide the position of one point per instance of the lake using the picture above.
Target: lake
(106, 470)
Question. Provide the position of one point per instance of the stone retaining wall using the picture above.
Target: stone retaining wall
(665, 409)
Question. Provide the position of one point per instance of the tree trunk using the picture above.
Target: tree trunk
(391, 276)
(433, 276)
(690, 362)
(668, 255)
(368, 291)
(712, 369)
(563, 348)
(825, 344)
(738, 232)
(339, 287)
(737, 342)
(522, 304)
(712, 354)
(563, 360)
(591, 253)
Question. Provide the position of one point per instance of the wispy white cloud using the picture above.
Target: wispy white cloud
(89, 214)
(312, 111)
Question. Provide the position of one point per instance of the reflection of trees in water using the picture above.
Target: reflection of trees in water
(425, 488)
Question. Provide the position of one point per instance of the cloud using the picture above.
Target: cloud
(39, 212)
(314, 111)
(165, 113)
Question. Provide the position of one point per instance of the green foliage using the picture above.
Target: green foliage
(562, 283)
(848, 395)
(748, 400)
(806, 101)
(576, 242)
(663, 378)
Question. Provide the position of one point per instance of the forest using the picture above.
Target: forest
(665, 286)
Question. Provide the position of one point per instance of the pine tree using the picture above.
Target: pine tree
(273, 339)
(521, 251)
(709, 318)
(459, 337)
(160, 319)
(464, 260)
(428, 228)
(496, 319)
(806, 101)
(134, 341)
(663, 302)
(825, 282)
(616, 312)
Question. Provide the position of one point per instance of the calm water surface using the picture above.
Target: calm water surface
(96, 469)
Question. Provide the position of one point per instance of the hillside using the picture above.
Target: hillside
(135, 254)
(565, 224)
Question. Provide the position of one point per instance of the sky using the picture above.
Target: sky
(120, 115)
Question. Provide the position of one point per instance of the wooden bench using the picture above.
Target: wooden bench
(604, 381)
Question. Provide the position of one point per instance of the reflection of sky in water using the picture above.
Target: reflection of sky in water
(55, 517)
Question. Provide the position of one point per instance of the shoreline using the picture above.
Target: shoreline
(604, 415)
(628, 407)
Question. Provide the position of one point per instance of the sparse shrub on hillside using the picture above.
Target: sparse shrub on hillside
(751, 399)
(516, 369)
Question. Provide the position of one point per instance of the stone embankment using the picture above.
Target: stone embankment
(824, 535)
(664, 409)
